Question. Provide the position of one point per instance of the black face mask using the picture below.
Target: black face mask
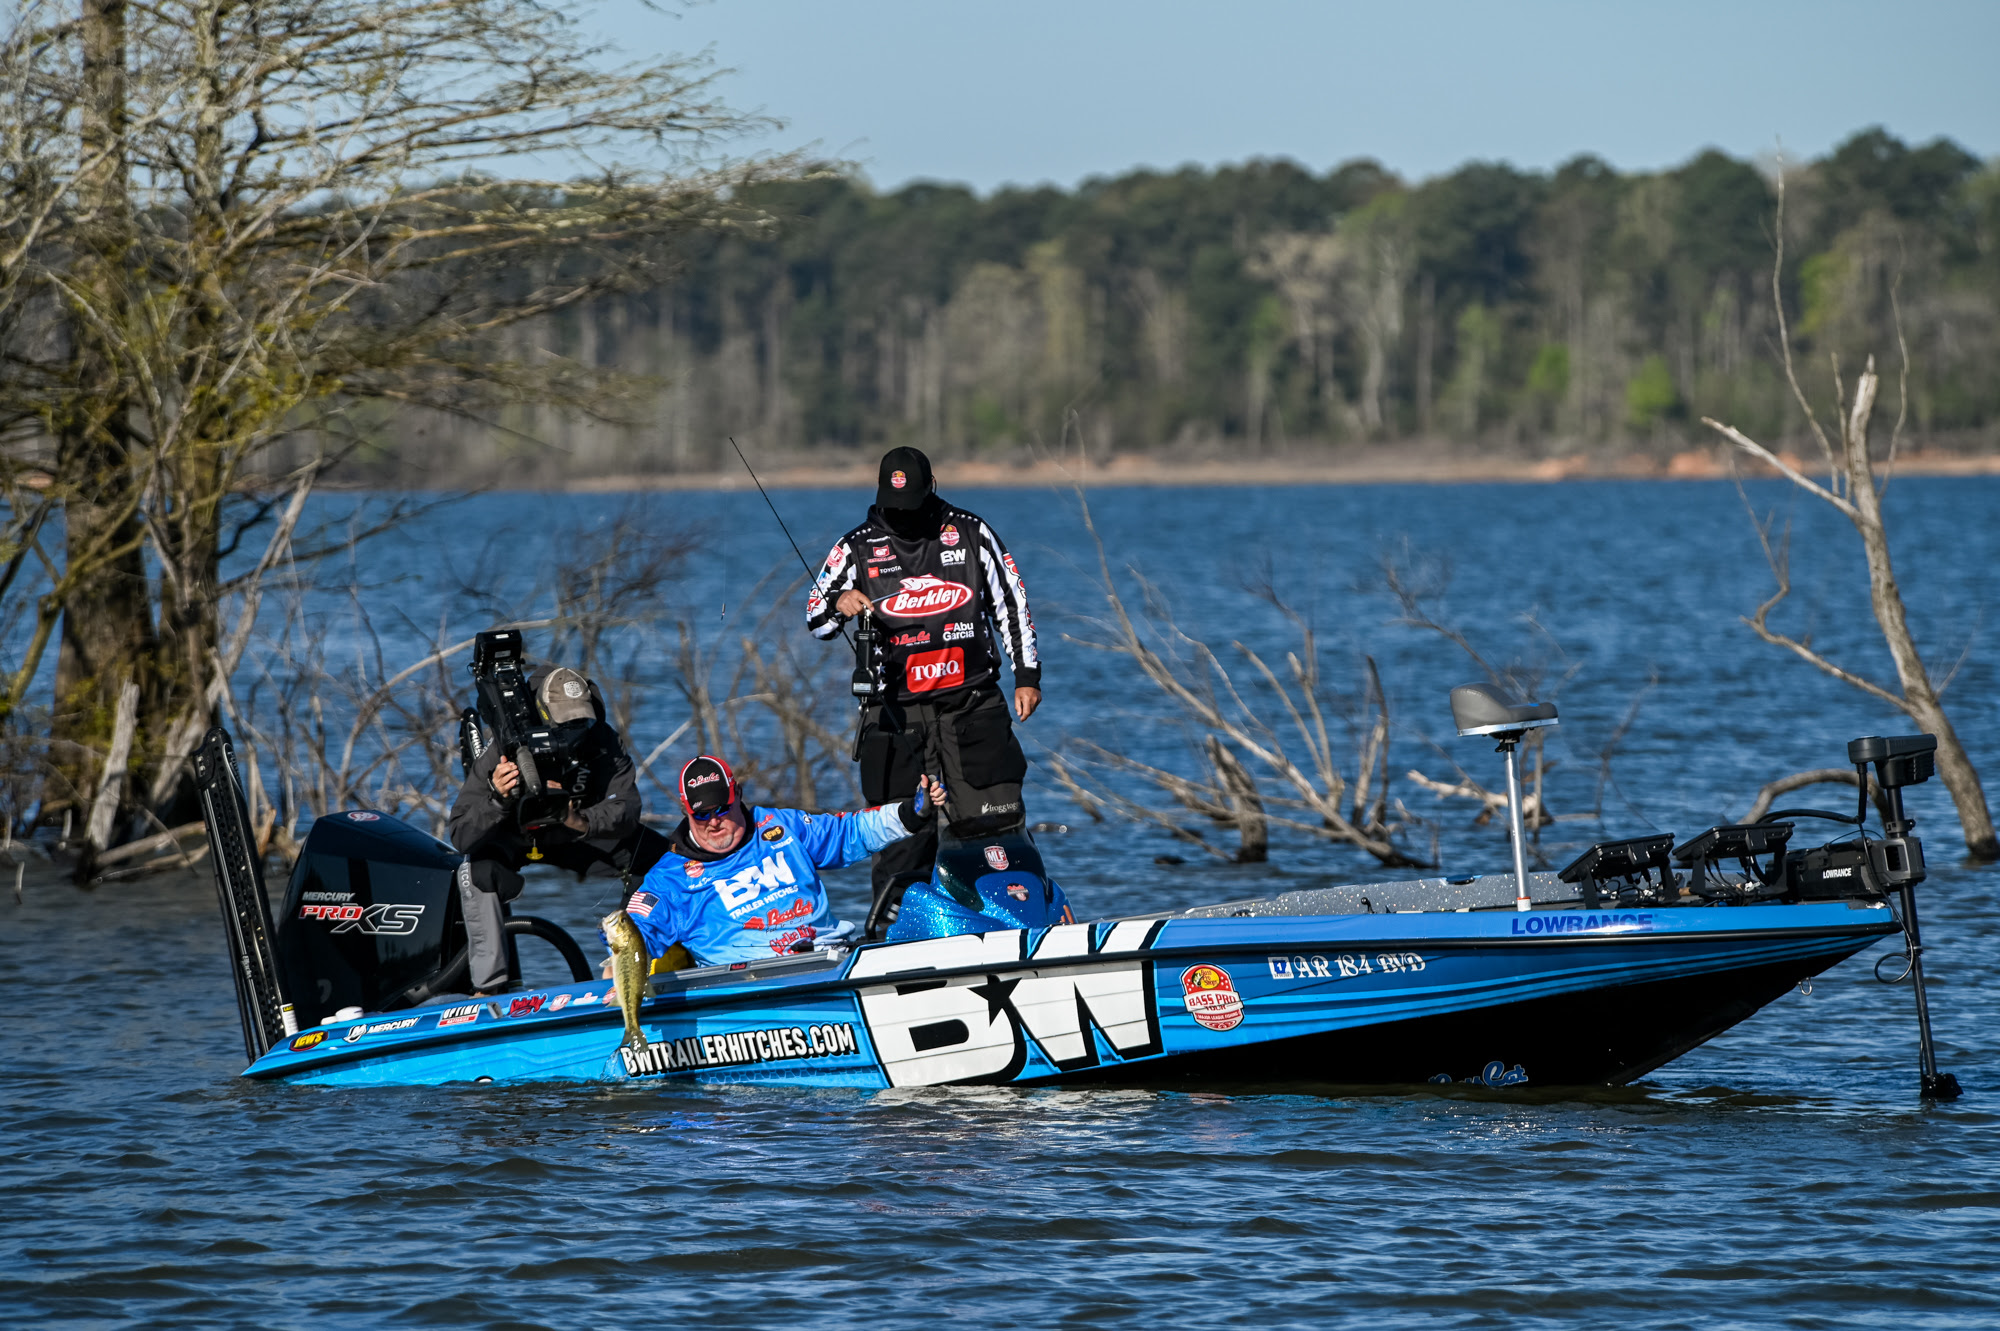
(916, 524)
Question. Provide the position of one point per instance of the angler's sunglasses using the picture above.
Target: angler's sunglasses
(711, 817)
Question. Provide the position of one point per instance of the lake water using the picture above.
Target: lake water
(1784, 1174)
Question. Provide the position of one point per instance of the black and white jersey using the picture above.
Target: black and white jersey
(939, 604)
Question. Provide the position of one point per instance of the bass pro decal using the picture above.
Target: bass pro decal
(1211, 997)
(978, 1028)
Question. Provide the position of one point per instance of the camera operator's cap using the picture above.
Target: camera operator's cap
(905, 479)
(565, 696)
(707, 785)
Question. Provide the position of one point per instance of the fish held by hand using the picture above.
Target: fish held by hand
(631, 964)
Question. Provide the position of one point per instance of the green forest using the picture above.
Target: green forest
(1262, 307)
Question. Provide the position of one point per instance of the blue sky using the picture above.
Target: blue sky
(1030, 90)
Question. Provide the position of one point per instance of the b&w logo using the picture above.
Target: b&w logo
(978, 1028)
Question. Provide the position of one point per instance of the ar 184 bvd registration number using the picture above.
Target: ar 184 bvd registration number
(1344, 965)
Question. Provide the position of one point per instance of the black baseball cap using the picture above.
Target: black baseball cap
(707, 785)
(904, 480)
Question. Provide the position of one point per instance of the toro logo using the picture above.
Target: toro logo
(880, 552)
(1210, 997)
(924, 596)
(926, 672)
(949, 535)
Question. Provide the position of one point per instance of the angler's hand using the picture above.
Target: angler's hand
(852, 602)
(505, 778)
(1026, 701)
(930, 794)
(573, 820)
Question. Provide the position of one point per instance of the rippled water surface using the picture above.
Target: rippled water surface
(1784, 1174)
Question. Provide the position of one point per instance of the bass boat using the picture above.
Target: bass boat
(1632, 955)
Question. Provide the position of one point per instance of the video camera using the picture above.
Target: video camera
(554, 773)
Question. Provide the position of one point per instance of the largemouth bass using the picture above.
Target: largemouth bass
(631, 963)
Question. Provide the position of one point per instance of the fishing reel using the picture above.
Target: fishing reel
(867, 682)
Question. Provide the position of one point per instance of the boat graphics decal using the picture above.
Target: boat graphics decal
(1344, 966)
(1572, 922)
(1211, 997)
(769, 1044)
(1495, 1074)
(355, 1032)
(987, 1028)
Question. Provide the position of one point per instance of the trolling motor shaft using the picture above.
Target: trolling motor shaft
(1896, 863)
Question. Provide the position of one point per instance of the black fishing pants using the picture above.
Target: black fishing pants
(965, 738)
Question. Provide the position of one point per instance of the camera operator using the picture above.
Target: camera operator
(596, 831)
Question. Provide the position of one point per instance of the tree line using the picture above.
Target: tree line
(1265, 307)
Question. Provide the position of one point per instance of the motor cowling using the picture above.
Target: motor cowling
(370, 914)
(981, 884)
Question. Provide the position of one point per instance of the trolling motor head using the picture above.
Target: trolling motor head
(1481, 708)
(1902, 760)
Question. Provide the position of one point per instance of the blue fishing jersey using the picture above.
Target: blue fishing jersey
(764, 899)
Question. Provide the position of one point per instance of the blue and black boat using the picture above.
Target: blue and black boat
(1635, 953)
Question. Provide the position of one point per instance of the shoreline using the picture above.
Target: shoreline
(1138, 469)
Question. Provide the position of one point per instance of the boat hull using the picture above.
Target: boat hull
(1560, 997)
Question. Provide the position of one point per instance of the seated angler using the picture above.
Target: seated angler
(742, 883)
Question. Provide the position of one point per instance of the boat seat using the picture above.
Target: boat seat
(1485, 709)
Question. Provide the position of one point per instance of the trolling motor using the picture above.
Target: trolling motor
(1483, 709)
(1895, 863)
(553, 770)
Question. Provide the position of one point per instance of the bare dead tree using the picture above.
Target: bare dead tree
(1853, 489)
(1226, 721)
(1417, 585)
(225, 224)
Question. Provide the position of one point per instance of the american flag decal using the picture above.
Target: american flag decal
(641, 904)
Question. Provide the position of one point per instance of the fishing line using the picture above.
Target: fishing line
(812, 579)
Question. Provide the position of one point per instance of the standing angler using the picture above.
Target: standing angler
(942, 588)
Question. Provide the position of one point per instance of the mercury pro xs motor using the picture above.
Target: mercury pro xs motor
(371, 918)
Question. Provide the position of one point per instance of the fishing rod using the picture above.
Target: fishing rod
(864, 685)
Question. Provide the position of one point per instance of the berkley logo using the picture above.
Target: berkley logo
(1210, 997)
(924, 596)
(927, 671)
(997, 857)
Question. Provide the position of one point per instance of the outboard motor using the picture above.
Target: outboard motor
(371, 918)
(987, 883)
